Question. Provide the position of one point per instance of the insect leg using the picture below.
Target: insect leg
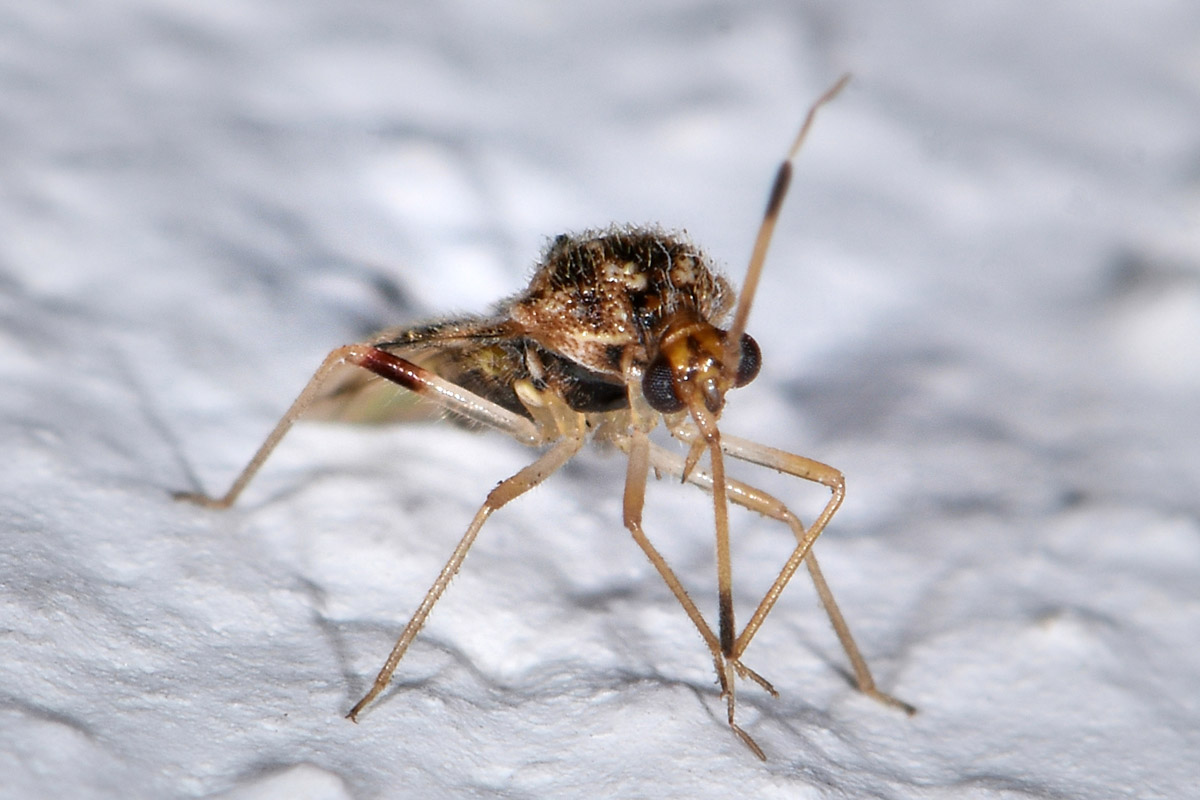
(634, 501)
(811, 470)
(637, 447)
(506, 491)
(757, 500)
(396, 369)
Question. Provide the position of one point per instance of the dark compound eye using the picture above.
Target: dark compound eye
(749, 362)
(658, 387)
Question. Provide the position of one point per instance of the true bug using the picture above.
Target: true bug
(618, 330)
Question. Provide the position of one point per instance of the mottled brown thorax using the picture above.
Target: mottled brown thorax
(598, 294)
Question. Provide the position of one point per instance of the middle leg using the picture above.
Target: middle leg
(507, 490)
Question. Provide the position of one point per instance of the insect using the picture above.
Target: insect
(618, 331)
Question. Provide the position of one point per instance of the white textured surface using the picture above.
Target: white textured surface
(983, 305)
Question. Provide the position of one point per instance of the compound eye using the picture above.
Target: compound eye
(749, 363)
(658, 387)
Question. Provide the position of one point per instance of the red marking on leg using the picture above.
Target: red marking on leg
(395, 369)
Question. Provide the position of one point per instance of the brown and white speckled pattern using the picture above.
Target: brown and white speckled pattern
(598, 293)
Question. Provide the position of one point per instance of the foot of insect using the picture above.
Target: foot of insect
(888, 700)
(352, 715)
(201, 499)
(728, 668)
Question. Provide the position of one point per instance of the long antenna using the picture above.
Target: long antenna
(778, 192)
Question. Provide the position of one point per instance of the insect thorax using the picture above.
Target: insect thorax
(597, 294)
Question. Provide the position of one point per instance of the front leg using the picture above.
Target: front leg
(757, 500)
(637, 447)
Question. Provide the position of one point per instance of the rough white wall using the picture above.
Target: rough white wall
(983, 305)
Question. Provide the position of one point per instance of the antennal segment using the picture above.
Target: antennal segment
(778, 192)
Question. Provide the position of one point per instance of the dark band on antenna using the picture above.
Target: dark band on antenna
(783, 179)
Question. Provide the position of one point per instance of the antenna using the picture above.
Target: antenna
(778, 192)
